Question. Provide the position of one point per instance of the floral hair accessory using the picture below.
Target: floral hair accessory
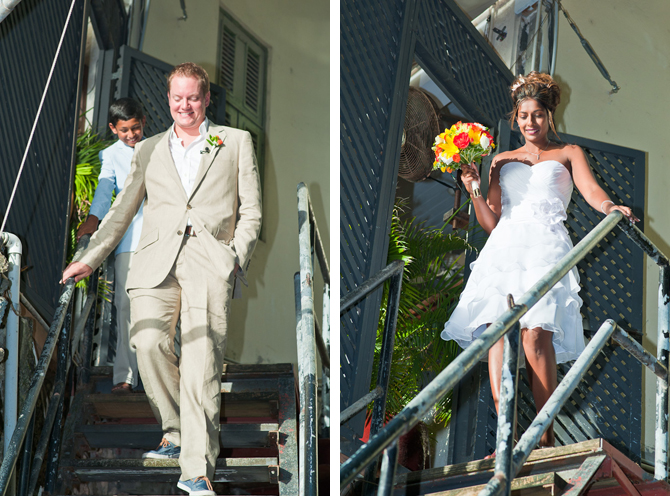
(520, 82)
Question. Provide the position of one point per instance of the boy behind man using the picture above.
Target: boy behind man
(126, 120)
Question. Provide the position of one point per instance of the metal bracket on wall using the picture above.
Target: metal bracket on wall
(589, 49)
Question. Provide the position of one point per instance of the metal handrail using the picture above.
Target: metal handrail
(58, 334)
(393, 273)
(310, 337)
(450, 376)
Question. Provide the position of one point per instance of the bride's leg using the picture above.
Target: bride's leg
(495, 369)
(495, 372)
(542, 371)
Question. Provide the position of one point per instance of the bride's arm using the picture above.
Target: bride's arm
(588, 186)
(487, 212)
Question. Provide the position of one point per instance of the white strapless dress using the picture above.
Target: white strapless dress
(528, 241)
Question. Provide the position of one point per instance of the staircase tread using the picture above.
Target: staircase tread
(103, 385)
(236, 470)
(136, 405)
(560, 463)
(259, 427)
(530, 482)
(578, 451)
(230, 369)
(258, 435)
(167, 463)
(142, 397)
(147, 436)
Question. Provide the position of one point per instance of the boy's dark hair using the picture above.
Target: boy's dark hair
(125, 109)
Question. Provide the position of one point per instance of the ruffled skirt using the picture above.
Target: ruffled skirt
(515, 257)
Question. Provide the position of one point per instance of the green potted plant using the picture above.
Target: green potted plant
(432, 283)
(87, 170)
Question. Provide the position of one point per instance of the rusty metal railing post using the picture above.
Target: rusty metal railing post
(308, 430)
(309, 340)
(509, 381)
(553, 405)
(11, 383)
(389, 465)
(11, 455)
(24, 480)
(62, 369)
(324, 425)
(662, 346)
(86, 345)
(384, 374)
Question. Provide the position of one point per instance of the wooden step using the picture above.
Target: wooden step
(230, 371)
(564, 462)
(106, 434)
(541, 485)
(148, 436)
(136, 405)
(240, 379)
(237, 470)
(153, 488)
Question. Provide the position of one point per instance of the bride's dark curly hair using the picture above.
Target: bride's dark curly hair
(540, 87)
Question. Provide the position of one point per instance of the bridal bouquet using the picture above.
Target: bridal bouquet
(462, 143)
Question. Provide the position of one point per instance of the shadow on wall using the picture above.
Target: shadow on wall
(566, 91)
(239, 310)
(282, 285)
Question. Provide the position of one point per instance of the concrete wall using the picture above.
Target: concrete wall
(633, 42)
(296, 33)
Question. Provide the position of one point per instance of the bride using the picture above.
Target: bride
(529, 191)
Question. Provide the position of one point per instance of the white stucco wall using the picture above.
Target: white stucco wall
(296, 32)
(633, 42)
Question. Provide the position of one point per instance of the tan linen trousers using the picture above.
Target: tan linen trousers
(125, 362)
(185, 392)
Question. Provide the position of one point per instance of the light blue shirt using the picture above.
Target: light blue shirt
(116, 161)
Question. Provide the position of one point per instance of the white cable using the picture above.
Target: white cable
(37, 117)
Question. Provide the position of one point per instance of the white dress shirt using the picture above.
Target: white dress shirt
(187, 159)
(116, 161)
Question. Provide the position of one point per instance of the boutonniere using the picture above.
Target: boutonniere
(214, 142)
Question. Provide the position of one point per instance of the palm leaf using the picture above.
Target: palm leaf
(87, 170)
(432, 283)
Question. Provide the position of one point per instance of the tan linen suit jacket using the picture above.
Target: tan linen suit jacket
(224, 208)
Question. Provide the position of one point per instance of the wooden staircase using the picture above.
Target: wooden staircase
(593, 468)
(106, 434)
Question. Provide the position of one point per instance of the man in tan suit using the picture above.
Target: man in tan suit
(202, 217)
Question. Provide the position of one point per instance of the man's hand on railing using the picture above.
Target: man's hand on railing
(78, 270)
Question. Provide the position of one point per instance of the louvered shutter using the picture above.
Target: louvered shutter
(242, 70)
(227, 66)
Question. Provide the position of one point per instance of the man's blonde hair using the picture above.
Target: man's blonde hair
(189, 69)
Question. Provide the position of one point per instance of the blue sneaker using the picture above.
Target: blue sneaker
(165, 450)
(200, 486)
